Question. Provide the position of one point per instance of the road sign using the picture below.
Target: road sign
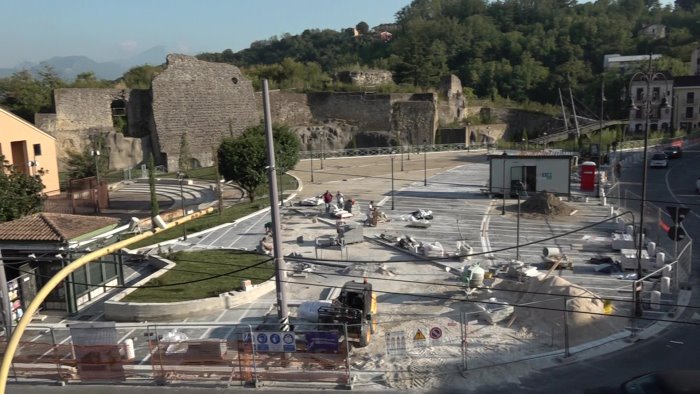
(396, 343)
(419, 336)
(419, 339)
(677, 213)
(435, 333)
(276, 341)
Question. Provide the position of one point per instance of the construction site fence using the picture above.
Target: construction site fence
(405, 350)
(219, 354)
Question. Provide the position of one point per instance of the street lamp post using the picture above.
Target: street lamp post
(323, 142)
(517, 232)
(96, 154)
(503, 190)
(600, 137)
(425, 163)
(648, 77)
(392, 179)
(181, 178)
(312, 166)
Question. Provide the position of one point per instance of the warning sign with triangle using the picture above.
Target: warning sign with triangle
(419, 336)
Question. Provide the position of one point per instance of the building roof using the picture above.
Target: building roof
(17, 118)
(686, 81)
(54, 227)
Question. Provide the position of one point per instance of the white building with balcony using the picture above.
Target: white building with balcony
(654, 97)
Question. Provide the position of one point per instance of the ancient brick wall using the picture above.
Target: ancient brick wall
(287, 108)
(80, 109)
(369, 112)
(415, 120)
(208, 101)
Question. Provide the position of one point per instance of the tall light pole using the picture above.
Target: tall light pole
(517, 232)
(425, 163)
(312, 166)
(600, 137)
(280, 264)
(96, 154)
(648, 77)
(503, 190)
(392, 179)
(323, 143)
(181, 178)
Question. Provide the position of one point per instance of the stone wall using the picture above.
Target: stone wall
(208, 101)
(81, 109)
(369, 112)
(287, 108)
(415, 121)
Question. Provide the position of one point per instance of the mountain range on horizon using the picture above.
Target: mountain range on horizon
(68, 67)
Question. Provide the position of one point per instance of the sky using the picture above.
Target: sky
(36, 30)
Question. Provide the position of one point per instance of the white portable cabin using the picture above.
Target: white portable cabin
(538, 173)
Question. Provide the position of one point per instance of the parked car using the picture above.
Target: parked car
(673, 152)
(658, 160)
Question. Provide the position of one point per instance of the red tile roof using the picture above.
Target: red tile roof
(53, 227)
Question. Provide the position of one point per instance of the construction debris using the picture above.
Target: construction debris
(545, 204)
(494, 311)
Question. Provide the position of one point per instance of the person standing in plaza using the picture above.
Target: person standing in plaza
(328, 199)
(340, 200)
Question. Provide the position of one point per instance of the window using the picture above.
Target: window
(690, 97)
(638, 114)
(640, 94)
(689, 112)
(655, 94)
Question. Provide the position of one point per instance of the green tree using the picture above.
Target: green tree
(140, 77)
(362, 27)
(20, 193)
(155, 209)
(81, 164)
(183, 162)
(243, 159)
(24, 95)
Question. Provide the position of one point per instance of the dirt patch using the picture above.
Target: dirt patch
(545, 204)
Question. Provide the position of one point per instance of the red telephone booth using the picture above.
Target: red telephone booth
(588, 171)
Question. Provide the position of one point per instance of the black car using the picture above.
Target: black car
(673, 152)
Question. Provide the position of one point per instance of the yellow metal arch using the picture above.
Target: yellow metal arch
(62, 274)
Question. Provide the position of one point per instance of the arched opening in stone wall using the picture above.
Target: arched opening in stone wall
(194, 163)
(119, 121)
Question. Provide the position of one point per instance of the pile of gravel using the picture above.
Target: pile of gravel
(545, 204)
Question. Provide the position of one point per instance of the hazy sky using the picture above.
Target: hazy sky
(36, 30)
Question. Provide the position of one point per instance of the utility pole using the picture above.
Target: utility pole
(573, 110)
(280, 265)
(219, 194)
(6, 308)
(600, 136)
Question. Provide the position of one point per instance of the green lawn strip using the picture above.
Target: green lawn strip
(218, 271)
(229, 215)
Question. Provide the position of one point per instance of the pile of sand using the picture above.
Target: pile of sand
(544, 312)
(545, 204)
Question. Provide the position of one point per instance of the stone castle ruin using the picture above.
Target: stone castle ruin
(204, 102)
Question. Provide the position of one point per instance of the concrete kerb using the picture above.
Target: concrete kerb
(224, 225)
(117, 310)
